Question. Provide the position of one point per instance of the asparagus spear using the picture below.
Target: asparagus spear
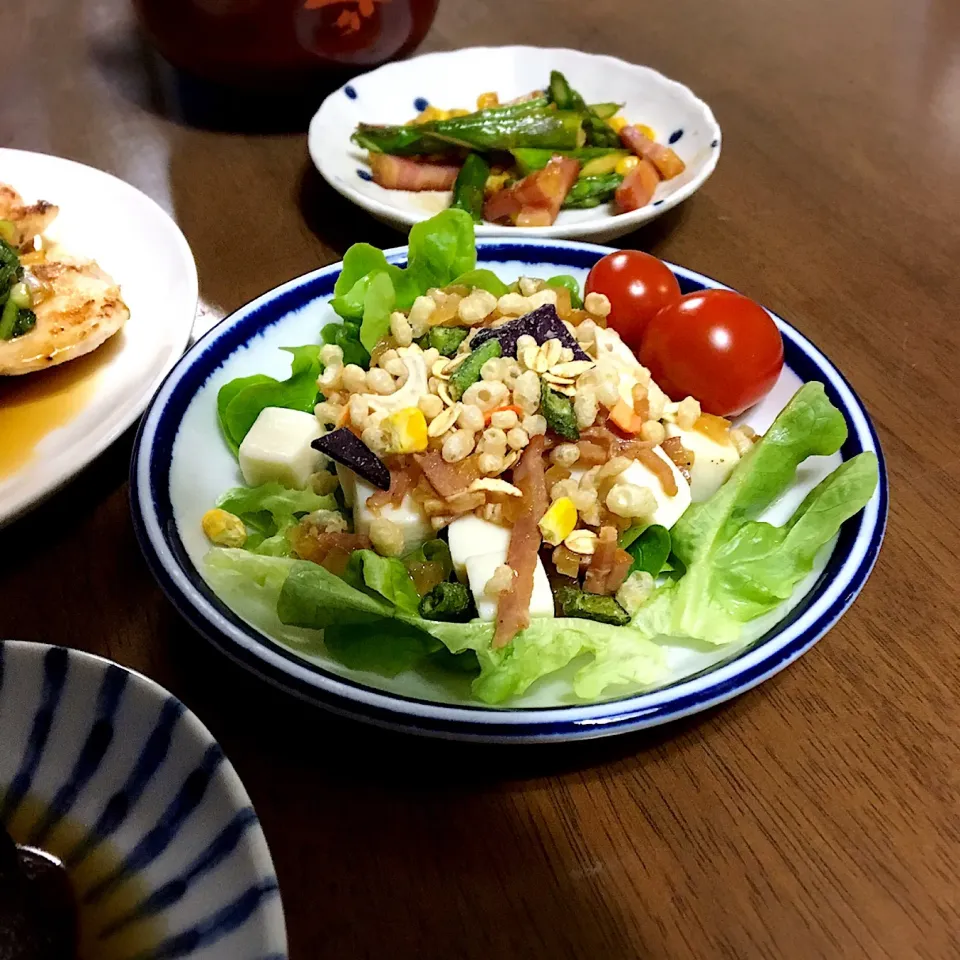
(566, 98)
(592, 191)
(605, 110)
(468, 190)
(484, 130)
(530, 159)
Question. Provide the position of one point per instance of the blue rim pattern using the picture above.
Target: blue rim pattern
(156, 531)
(58, 662)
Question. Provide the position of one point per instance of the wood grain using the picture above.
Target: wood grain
(814, 817)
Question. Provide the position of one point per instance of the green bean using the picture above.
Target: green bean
(557, 410)
(530, 159)
(599, 134)
(485, 130)
(605, 110)
(468, 373)
(446, 601)
(468, 191)
(592, 191)
(573, 602)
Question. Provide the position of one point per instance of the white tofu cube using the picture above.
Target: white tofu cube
(469, 536)
(409, 517)
(348, 484)
(277, 448)
(481, 567)
(712, 462)
(669, 508)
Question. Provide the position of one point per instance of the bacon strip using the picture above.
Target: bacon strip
(661, 470)
(663, 158)
(638, 187)
(535, 200)
(601, 563)
(448, 479)
(404, 173)
(513, 608)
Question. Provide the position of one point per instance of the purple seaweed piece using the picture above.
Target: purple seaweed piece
(347, 448)
(542, 324)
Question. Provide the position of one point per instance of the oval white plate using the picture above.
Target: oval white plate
(138, 244)
(110, 773)
(181, 465)
(398, 91)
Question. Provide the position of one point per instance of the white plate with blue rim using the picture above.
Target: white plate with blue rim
(397, 92)
(181, 465)
(108, 773)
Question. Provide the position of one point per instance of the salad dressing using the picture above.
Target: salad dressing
(33, 406)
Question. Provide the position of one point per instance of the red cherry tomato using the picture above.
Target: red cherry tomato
(638, 287)
(717, 346)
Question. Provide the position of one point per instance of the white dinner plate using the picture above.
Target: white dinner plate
(53, 423)
(395, 93)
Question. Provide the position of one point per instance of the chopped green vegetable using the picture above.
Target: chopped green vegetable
(650, 550)
(20, 295)
(601, 166)
(240, 401)
(468, 373)
(530, 159)
(565, 280)
(605, 110)
(10, 270)
(592, 191)
(484, 280)
(446, 601)
(8, 320)
(485, 130)
(598, 132)
(558, 412)
(26, 321)
(468, 191)
(574, 602)
(445, 340)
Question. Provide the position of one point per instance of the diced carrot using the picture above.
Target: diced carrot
(488, 416)
(624, 417)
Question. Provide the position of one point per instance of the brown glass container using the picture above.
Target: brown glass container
(276, 43)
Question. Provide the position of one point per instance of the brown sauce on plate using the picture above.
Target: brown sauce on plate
(35, 404)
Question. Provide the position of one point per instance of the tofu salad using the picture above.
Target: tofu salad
(506, 478)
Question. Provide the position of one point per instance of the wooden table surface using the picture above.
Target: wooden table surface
(816, 816)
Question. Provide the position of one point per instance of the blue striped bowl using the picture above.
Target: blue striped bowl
(107, 771)
(181, 465)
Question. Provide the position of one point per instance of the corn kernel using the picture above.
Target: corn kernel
(646, 131)
(617, 123)
(487, 100)
(495, 182)
(626, 164)
(406, 431)
(223, 528)
(559, 521)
